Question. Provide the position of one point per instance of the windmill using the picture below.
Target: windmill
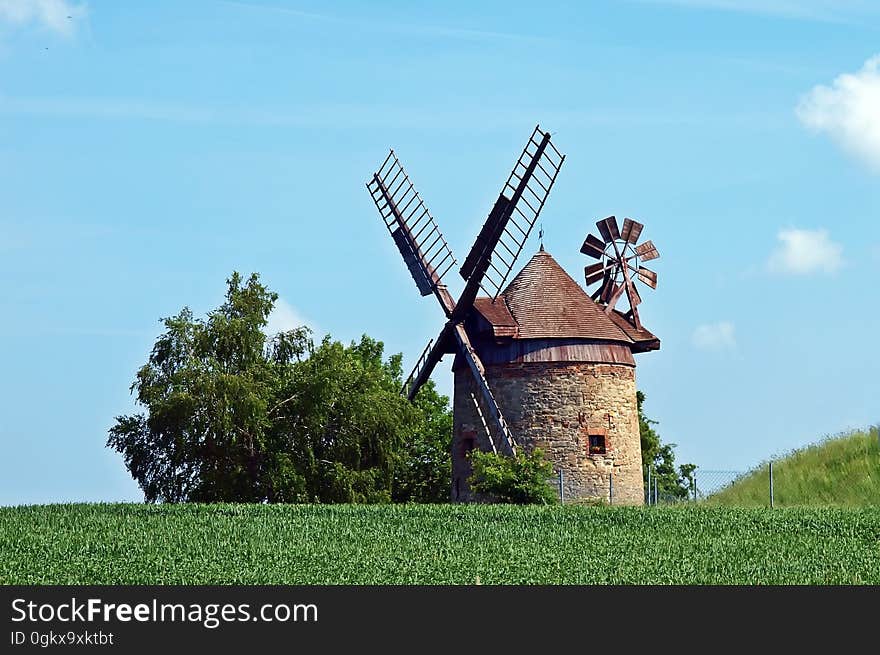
(487, 266)
(619, 265)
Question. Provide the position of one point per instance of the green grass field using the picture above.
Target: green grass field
(843, 471)
(451, 544)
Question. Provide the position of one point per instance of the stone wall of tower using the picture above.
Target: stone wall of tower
(557, 406)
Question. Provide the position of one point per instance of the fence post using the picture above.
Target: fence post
(611, 487)
(656, 492)
(561, 488)
(771, 485)
(648, 490)
(694, 480)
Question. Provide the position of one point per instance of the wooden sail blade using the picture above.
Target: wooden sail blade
(431, 356)
(648, 276)
(633, 293)
(413, 229)
(609, 290)
(631, 230)
(646, 251)
(593, 247)
(467, 352)
(593, 273)
(505, 231)
(608, 229)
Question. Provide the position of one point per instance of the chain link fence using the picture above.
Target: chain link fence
(842, 469)
(708, 482)
(756, 486)
(701, 485)
(711, 484)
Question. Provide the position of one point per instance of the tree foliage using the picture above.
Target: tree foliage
(234, 415)
(523, 479)
(659, 457)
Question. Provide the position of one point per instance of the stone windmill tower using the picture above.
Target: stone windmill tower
(538, 361)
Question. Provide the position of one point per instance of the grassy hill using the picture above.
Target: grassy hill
(843, 471)
(440, 544)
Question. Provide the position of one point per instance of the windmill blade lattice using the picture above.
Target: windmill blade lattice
(619, 264)
(487, 266)
(501, 240)
(414, 230)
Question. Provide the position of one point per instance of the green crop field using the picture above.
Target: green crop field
(442, 544)
(843, 471)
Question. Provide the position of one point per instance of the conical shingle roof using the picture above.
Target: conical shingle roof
(546, 303)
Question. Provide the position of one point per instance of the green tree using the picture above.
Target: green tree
(660, 458)
(522, 479)
(232, 415)
(425, 465)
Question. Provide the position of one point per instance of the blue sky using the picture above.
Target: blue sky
(149, 149)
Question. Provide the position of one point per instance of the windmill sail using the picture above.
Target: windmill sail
(620, 265)
(414, 230)
(494, 253)
(487, 266)
(409, 384)
(454, 338)
(431, 356)
(466, 350)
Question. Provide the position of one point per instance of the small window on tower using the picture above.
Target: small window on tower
(597, 444)
(467, 445)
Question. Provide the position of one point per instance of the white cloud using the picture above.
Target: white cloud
(59, 16)
(848, 111)
(284, 317)
(801, 252)
(715, 336)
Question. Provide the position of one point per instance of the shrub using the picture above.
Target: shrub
(522, 479)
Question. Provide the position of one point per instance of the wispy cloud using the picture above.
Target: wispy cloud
(110, 108)
(100, 332)
(285, 317)
(22, 328)
(848, 111)
(59, 16)
(175, 111)
(825, 11)
(355, 115)
(413, 29)
(715, 336)
(289, 11)
(803, 252)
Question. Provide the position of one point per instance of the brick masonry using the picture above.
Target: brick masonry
(557, 406)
